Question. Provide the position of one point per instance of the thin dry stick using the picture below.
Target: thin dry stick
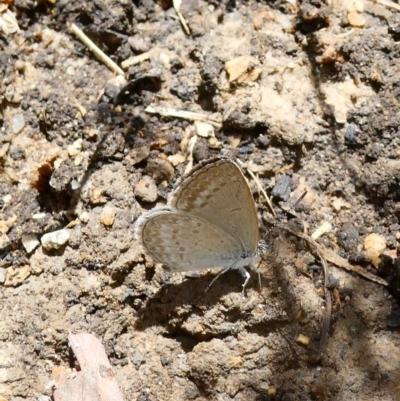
(177, 6)
(388, 4)
(335, 259)
(97, 52)
(186, 115)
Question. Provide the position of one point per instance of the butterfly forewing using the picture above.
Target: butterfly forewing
(185, 241)
(218, 192)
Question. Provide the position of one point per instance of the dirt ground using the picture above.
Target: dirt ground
(306, 94)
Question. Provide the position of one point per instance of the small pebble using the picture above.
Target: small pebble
(16, 276)
(38, 216)
(17, 124)
(13, 97)
(108, 215)
(3, 274)
(84, 217)
(176, 159)
(20, 66)
(70, 70)
(55, 240)
(356, 19)
(281, 190)
(203, 129)
(30, 242)
(4, 242)
(160, 170)
(137, 155)
(146, 190)
(303, 340)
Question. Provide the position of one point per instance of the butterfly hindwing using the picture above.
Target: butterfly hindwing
(186, 242)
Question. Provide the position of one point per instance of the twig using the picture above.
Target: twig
(388, 4)
(186, 115)
(324, 228)
(136, 59)
(338, 261)
(95, 379)
(97, 52)
(177, 6)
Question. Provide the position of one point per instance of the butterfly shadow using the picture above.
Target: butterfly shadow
(190, 315)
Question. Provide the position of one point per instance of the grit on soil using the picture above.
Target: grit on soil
(305, 94)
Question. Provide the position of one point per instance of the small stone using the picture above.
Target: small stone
(75, 148)
(3, 274)
(333, 282)
(347, 237)
(137, 359)
(38, 216)
(13, 97)
(214, 143)
(160, 170)
(72, 150)
(203, 129)
(303, 340)
(146, 190)
(232, 385)
(55, 240)
(359, 258)
(338, 204)
(137, 155)
(97, 196)
(281, 190)
(20, 66)
(16, 276)
(139, 43)
(373, 151)
(17, 124)
(84, 217)
(70, 70)
(4, 150)
(176, 159)
(30, 242)
(356, 19)
(113, 86)
(108, 215)
(4, 241)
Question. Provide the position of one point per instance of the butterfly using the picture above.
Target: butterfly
(209, 221)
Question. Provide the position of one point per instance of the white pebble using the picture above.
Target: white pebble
(30, 242)
(17, 124)
(55, 240)
(84, 217)
(3, 274)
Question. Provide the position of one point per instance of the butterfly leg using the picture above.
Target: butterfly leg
(217, 277)
(255, 269)
(246, 276)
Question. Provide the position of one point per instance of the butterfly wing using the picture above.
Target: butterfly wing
(184, 241)
(218, 192)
